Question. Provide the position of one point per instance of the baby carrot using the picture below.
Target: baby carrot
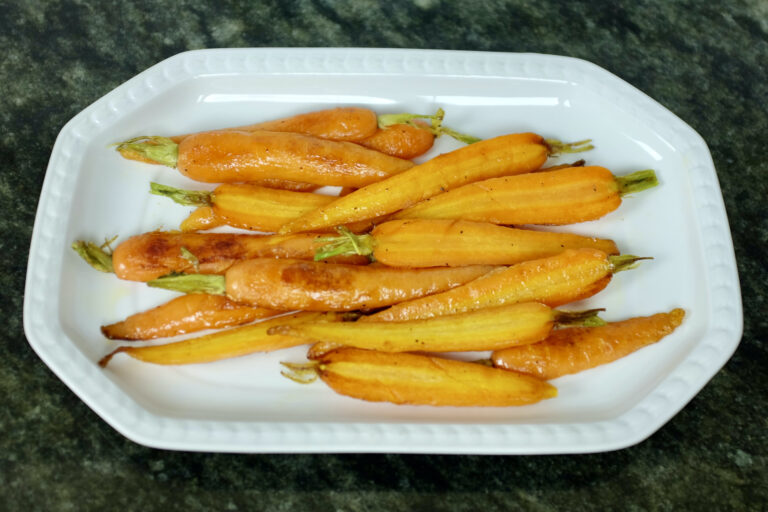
(401, 140)
(577, 349)
(562, 196)
(151, 255)
(224, 344)
(505, 155)
(236, 156)
(200, 219)
(413, 379)
(434, 243)
(482, 329)
(183, 315)
(569, 276)
(288, 285)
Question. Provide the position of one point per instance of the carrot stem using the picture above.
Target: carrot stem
(557, 147)
(96, 255)
(180, 196)
(623, 262)
(586, 318)
(637, 182)
(346, 244)
(158, 149)
(191, 283)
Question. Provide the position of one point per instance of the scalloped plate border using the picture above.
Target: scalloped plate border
(86, 379)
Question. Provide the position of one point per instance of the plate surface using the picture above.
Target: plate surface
(244, 405)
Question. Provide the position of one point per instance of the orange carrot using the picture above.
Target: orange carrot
(413, 379)
(200, 219)
(401, 140)
(563, 196)
(288, 285)
(434, 243)
(577, 349)
(183, 315)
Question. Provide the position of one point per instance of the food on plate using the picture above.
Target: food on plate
(436, 242)
(414, 379)
(288, 284)
(504, 155)
(563, 196)
(183, 315)
(224, 344)
(482, 329)
(572, 275)
(576, 349)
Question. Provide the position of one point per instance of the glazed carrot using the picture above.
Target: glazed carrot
(451, 243)
(569, 276)
(505, 155)
(289, 285)
(183, 315)
(482, 329)
(247, 206)
(200, 219)
(224, 344)
(577, 349)
(401, 140)
(563, 196)
(413, 379)
(151, 255)
(235, 156)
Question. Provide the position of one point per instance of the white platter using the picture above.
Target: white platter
(244, 405)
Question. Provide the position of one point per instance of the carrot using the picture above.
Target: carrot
(413, 379)
(569, 276)
(563, 196)
(434, 243)
(200, 219)
(183, 315)
(151, 255)
(577, 349)
(247, 206)
(224, 344)
(508, 154)
(401, 140)
(483, 329)
(288, 285)
(236, 156)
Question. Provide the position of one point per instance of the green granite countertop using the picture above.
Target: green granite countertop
(705, 62)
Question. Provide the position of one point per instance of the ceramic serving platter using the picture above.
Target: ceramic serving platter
(243, 404)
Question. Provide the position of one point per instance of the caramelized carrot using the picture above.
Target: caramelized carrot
(224, 344)
(183, 315)
(288, 285)
(401, 140)
(434, 243)
(151, 255)
(236, 156)
(563, 196)
(413, 379)
(200, 219)
(569, 276)
(577, 349)
(505, 155)
(247, 206)
(482, 329)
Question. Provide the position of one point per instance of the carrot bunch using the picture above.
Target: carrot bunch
(409, 261)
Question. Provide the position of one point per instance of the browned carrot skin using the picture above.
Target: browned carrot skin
(338, 124)
(183, 315)
(402, 140)
(309, 286)
(413, 379)
(152, 255)
(233, 156)
(567, 277)
(576, 349)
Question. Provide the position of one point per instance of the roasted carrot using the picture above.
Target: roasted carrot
(235, 156)
(401, 140)
(451, 243)
(289, 285)
(183, 315)
(569, 276)
(247, 206)
(482, 329)
(224, 344)
(413, 379)
(151, 255)
(563, 196)
(505, 155)
(577, 349)
(200, 219)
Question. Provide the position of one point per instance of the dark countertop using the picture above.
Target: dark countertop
(705, 63)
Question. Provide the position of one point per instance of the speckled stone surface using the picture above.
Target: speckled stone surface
(704, 61)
